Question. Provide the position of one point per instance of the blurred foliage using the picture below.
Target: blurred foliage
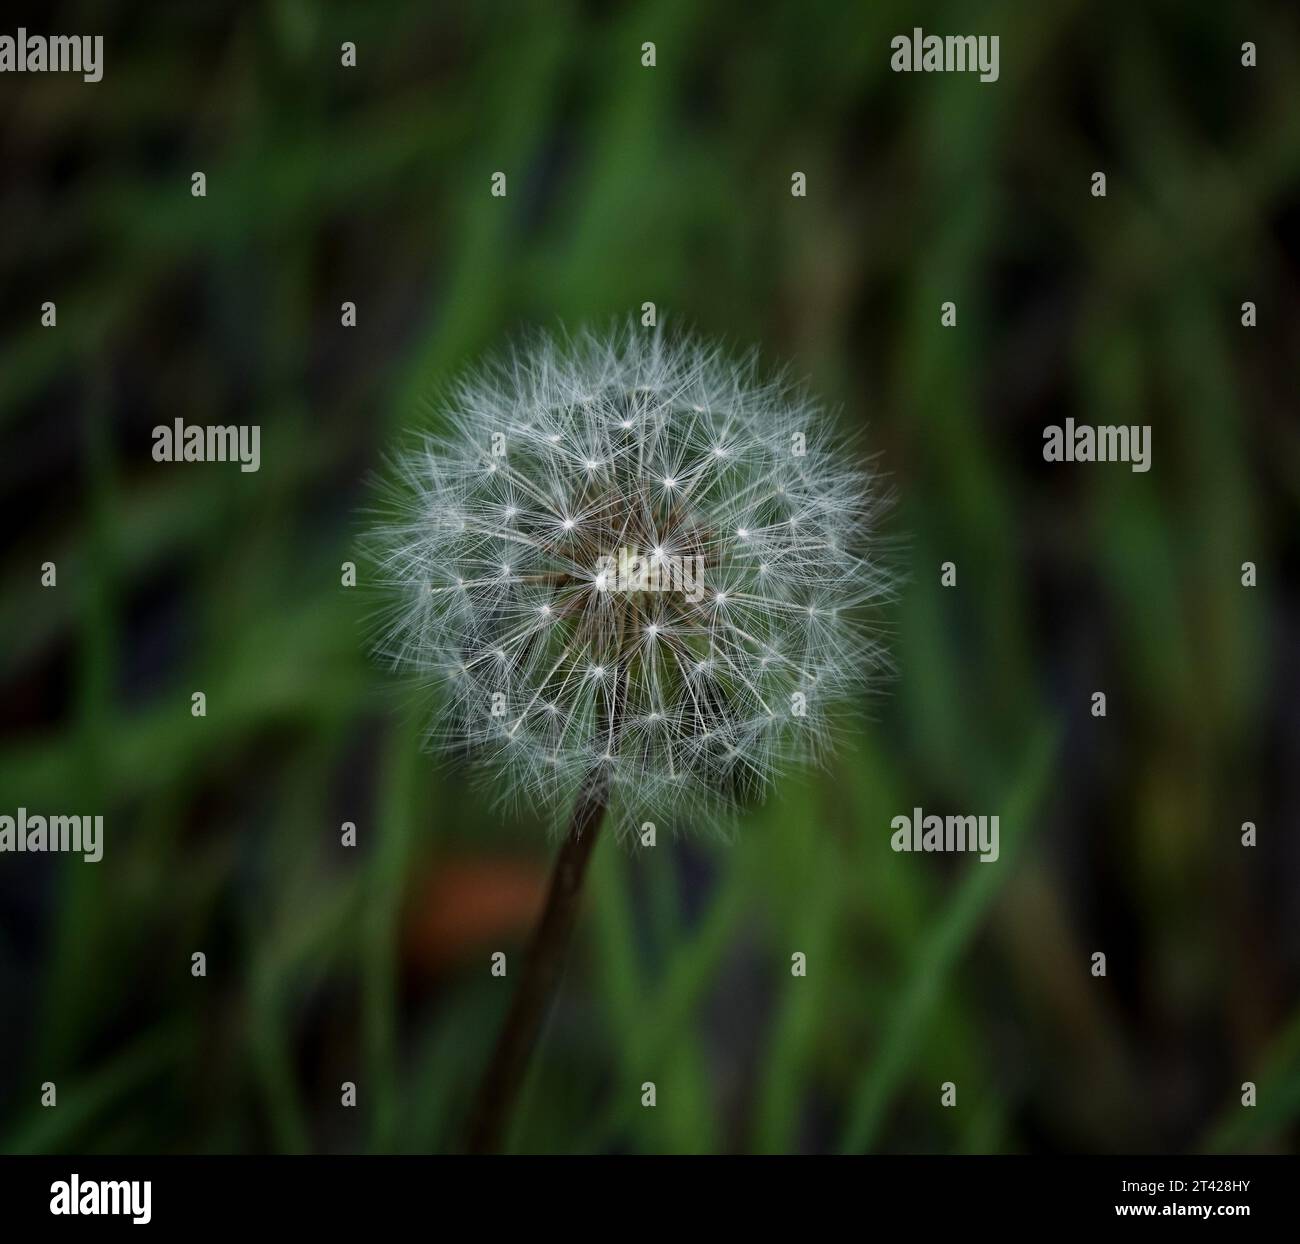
(668, 184)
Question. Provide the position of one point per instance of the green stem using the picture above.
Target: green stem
(499, 1090)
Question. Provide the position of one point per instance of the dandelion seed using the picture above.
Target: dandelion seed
(667, 452)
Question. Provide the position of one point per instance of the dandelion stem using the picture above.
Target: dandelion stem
(543, 968)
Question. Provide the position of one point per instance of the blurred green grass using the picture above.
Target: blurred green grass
(669, 185)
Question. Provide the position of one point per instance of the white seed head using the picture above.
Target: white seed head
(506, 576)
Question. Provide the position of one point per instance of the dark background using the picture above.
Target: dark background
(671, 185)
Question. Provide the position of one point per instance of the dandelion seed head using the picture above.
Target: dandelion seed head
(552, 667)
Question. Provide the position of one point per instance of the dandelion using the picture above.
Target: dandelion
(644, 575)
